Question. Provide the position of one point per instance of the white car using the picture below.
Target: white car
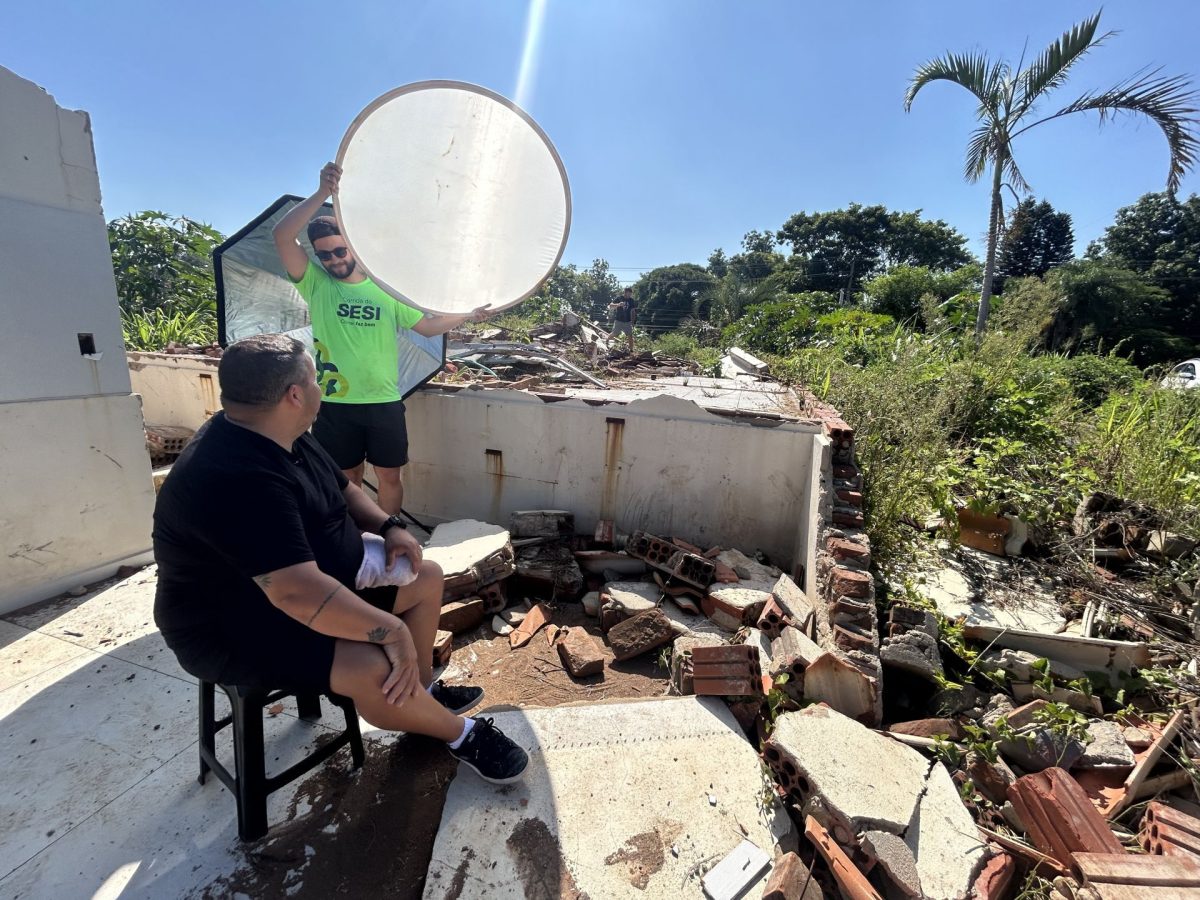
(1183, 375)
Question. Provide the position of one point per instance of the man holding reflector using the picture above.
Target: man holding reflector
(354, 324)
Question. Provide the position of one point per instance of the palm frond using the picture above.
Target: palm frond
(972, 71)
(980, 151)
(1013, 175)
(1167, 101)
(1050, 69)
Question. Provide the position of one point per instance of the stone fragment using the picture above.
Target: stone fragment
(895, 860)
(1168, 545)
(992, 779)
(746, 568)
(737, 873)
(591, 603)
(538, 616)
(687, 623)
(848, 688)
(998, 706)
(500, 627)
(794, 604)
(640, 634)
(553, 523)
(631, 596)
(955, 701)
(743, 601)
(513, 616)
(552, 564)
(1138, 738)
(724, 574)
(929, 728)
(915, 652)
(1035, 749)
(873, 783)
(580, 653)
(458, 616)
(1106, 748)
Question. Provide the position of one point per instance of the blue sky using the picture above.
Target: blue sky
(682, 123)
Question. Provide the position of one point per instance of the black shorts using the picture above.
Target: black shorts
(270, 650)
(352, 432)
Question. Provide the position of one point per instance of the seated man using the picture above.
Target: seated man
(258, 538)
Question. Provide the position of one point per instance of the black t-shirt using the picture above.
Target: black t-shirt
(237, 505)
(625, 308)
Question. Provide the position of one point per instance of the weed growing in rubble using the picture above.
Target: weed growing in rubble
(778, 701)
(945, 750)
(979, 740)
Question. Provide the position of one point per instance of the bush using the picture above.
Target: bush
(1093, 378)
(780, 327)
(153, 329)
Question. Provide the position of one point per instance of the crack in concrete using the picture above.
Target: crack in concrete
(916, 813)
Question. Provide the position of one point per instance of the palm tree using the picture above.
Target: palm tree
(1007, 102)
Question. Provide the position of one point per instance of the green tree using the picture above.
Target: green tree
(1159, 238)
(163, 262)
(1007, 100)
(1037, 239)
(669, 294)
(587, 291)
(718, 263)
(845, 247)
(898, 292)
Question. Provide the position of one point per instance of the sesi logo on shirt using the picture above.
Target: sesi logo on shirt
(355, 311)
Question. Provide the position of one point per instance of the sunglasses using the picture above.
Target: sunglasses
(327, 255)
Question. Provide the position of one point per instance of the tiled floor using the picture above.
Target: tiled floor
(98, 794)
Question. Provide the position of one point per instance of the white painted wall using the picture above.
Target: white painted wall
(75, 485)
(664, 466)
(671, 468)
(175, 390)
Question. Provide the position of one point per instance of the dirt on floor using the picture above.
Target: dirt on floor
(349, 830)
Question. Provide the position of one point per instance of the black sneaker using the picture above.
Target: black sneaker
(457, 698)
(491, 753)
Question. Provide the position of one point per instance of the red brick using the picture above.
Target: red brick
(727, 687)
(848, 639)
(741, 669)
(461, 615)
(842, 549)
(928, 728)
(443, 643)
(772, 620)
(640, 634)
(1059, 818)
(726, 653)
(848, 516)
(580, 653)
(846, 582)
(996, 877)
(850, 498)
(534, 620)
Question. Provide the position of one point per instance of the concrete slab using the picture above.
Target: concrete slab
(626, 799)
(456, 546)
(955, 598)
(632, 596)
(943, 838)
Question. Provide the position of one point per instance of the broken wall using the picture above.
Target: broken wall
(76, 477)
(176, 389)
(661, 465)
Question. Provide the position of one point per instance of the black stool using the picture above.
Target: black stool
(251, 784)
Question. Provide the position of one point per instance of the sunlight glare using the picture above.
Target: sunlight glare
(533, 36)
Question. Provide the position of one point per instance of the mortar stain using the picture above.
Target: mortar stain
(460, 876)
(644, 855)
(540, 864)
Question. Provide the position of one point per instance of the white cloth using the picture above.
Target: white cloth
(374, 571)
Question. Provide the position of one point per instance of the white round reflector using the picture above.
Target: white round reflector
(452, 198)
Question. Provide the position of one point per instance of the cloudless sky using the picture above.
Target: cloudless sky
(682, 123)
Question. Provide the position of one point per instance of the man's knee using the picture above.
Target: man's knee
(358, 666)
(430, 579)
(388, 476)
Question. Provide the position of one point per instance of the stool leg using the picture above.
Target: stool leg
(249, 753)
(356, 743)
(309, 706)
(208, 718)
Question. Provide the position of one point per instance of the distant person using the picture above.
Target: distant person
(259, 542)
(624, 316)
(354, 324)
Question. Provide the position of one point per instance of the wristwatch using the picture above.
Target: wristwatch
(389, 522)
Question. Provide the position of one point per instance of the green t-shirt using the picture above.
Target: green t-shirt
(354, 336)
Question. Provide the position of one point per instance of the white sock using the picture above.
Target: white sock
(468, 724)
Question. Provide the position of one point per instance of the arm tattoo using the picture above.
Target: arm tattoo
(328, 597)
(377, 634)
(263, 581)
